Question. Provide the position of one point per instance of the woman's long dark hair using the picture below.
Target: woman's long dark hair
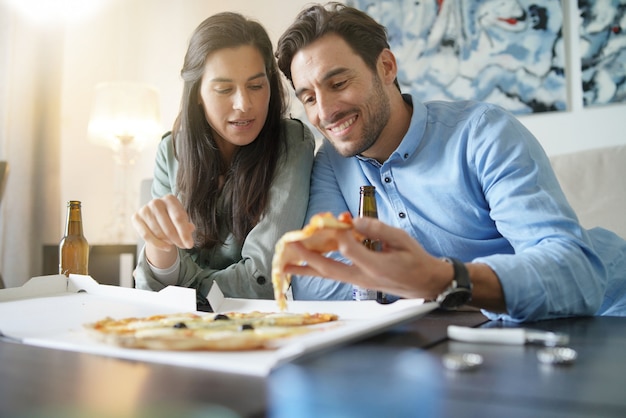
(248, 179)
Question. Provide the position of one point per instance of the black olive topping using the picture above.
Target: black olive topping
(245, 327)
(180, 325)
(220, 317)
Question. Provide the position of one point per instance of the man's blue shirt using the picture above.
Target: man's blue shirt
(470, 181)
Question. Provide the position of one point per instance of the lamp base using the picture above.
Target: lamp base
(119, 229)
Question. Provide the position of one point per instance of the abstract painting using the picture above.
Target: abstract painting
(508, 52)
(603, 51)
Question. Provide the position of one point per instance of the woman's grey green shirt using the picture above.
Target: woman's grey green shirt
(241, 270)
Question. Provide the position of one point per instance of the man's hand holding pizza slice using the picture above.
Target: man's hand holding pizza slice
(402, 268)
(320, 235)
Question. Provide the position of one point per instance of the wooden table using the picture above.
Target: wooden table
(513, 383)
(510, 383)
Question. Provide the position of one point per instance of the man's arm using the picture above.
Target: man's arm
(402, 268)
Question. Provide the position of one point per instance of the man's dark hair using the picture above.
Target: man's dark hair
(364, 35)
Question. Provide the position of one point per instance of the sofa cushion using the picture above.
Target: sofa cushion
(594, 182)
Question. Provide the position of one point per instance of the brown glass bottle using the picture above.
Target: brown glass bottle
(367, 207)
(73, 248)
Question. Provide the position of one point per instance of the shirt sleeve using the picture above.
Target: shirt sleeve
(555, 270)
(163, 183)
(325, 196)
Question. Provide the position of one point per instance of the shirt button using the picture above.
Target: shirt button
(402, 215)
(261, 280)
(387, 180)
(406, 156)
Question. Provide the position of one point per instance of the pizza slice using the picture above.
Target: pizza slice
(319, 235)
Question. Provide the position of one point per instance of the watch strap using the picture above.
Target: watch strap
(460, 290)
(461, 275)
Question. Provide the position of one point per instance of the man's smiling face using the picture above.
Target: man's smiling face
(342, 97)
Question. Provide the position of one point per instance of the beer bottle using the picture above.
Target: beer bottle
(73, 248)
(367, 207)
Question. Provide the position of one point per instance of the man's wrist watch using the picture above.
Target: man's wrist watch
(460, 290)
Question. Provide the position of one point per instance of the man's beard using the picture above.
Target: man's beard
(378, 110)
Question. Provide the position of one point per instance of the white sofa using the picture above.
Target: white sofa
(594, 182)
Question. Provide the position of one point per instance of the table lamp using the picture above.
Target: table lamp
(124, 117)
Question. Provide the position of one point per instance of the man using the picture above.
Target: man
(460, 180)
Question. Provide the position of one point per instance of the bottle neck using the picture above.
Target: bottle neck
(74, 225)
(367, 206)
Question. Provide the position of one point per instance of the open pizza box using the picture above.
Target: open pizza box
(51, 311)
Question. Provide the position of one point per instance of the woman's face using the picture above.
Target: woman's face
(235, 95)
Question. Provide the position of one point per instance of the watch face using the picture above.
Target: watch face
(456, 298)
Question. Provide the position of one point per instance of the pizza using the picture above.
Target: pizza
(234, 331)
(320, 235)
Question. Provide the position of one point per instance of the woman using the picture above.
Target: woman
(233, 176)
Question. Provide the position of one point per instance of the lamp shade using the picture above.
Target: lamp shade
(124, 114)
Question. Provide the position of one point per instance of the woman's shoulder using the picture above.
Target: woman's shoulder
(296, 131)
(167, 137)
(166, 145)
(298, 140)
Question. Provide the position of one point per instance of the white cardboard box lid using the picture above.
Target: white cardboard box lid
(58, 284)
(50, 311)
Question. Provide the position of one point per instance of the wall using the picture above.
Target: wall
(145, 40)
(30, 93)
